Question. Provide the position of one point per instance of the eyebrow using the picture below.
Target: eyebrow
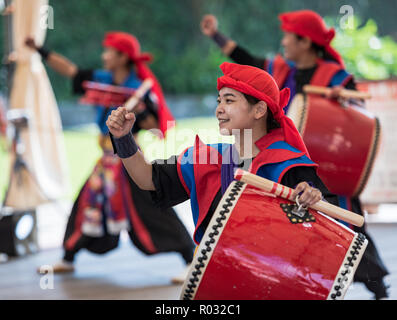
(227, 94)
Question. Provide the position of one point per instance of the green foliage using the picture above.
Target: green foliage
(185, 61)
(366, 54)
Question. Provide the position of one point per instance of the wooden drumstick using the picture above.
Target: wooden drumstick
(348, 94)
(286, 192)
(133, 101)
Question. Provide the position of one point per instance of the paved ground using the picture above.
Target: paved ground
(125, 273)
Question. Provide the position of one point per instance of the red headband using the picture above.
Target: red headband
(261, 85)
(126, 43)
(307, 23)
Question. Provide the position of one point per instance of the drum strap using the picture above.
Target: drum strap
(229, 164)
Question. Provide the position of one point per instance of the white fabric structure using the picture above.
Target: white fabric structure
(31, 90)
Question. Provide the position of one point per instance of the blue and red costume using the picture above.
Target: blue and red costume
(202, 181)
(109, 200)
(197, 173)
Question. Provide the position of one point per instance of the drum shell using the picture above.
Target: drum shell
(342, 141)
(260, 254)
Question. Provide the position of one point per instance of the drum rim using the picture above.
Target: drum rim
(299, 106)
(298, 112)
(371, 157)
(210, 239)
(348, 267)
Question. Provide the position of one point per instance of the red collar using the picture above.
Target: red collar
(266, 156)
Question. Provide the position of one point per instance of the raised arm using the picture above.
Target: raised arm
(209, 27)
(57, 62)
(120, 123)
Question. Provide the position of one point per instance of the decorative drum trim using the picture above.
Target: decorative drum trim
(210, 239)
(348, 268)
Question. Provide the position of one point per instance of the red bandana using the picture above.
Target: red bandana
(307, 23)
(261, 85)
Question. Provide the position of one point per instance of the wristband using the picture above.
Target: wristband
(124, 146)
(220, 39)
(43, 52)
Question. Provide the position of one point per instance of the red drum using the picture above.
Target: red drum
(255, 248)
(3, 120)
(342, 141)
(97, 93)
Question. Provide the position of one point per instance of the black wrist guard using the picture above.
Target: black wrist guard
(220, 39)
(43, 52)
(124, 146)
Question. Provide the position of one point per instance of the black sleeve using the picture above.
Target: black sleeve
(169, 189)
(298, 174)
(79, 78)
(241, 56)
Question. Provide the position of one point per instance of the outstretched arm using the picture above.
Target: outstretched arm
(209, 27)
(57, 62)
(120, 123)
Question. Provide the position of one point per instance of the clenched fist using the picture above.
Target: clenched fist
(209, 25)
(120, 122)
(30, 43)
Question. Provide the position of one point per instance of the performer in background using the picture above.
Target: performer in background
(249, 99)
(309, 59)
(110, 201)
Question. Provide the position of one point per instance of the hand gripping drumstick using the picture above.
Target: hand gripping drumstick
(132, 102)
(348, 94)
(285, 192)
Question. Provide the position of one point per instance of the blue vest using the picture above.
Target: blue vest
(102, 113)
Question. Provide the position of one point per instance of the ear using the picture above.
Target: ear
(260, 110)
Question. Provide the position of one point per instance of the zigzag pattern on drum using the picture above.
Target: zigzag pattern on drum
(192, 282)
(337, 292)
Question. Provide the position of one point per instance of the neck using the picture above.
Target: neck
(306, 61)
(245, 142)
(120, 75)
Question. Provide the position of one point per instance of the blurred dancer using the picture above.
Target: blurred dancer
(110, 201)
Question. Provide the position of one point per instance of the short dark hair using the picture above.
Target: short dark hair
(130, 64)
(271, 123)
(319, 50)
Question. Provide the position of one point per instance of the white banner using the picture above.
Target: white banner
(382, 184)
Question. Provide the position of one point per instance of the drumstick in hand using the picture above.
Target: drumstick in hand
(348, 94)
(133, 101)
(286, 192)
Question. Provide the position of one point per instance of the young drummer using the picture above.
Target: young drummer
(249, 99)
(309, 59)
(110, 201)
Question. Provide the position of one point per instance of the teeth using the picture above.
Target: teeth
(223, 120)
